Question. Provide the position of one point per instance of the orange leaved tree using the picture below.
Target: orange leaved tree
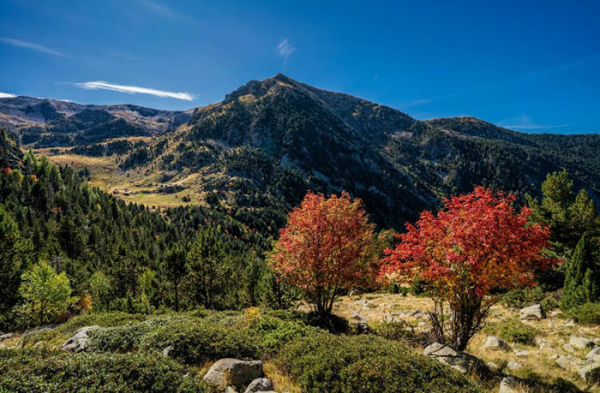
(476, 246)
(324, 248)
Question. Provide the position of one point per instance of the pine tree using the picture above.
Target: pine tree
(176, 267)
(581, 284)
(14, 251)
(209, 270)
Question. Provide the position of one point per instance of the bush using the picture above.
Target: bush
(273, 333)
(121, 338)
(514, 331)
(45, 371)
(393, 330)
(198, 342)
(588, 313)
(519, 298)
(329, 363)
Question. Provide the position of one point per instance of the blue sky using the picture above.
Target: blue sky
(528, 65)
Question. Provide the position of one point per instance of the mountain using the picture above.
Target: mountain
(47, 122)
(259, 150)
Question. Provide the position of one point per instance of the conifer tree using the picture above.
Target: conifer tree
(581, 284)
(14, 251)
(209, 271)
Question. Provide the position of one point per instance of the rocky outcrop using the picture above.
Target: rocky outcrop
(586, 371)
(461, 361)
(260, 385)
(594, 354)
(508, 385)
(79, 342)
(6, 336)
(532, 313)
(568, 363)
(581, 342)
(496, 344)
(234, 372)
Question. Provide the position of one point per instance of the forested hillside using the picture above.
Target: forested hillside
(121, 252)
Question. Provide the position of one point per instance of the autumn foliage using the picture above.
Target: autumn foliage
(324, 248)
(476, 244)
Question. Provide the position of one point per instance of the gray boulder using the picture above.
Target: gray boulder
(584, 372)
(532, 313)
(581, 342)
(508, 385)
(234, 372)
(496, 343)
(568, 362)
(513, 365)
(79, 342)
(260, 385)
(594, 354)
(461, 361)
(6, 336)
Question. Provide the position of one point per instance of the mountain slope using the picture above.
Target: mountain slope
(266, 143)
(46, 122)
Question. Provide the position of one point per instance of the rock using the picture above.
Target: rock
(167, 350)
(230, 389)
(568, 362)
(6, 336)
(569, 348)
(569, 323)
(513, 365)
(79, 341)
(260, 385)
(234, 372)
(508, 385)
(492, 366)
(532, 313)
(496, 343)
(584, 372)
(581, 342)
(361, 327)
(461, 361)
(39, 329)
(358, 317)
(521, 354)
(593, 354)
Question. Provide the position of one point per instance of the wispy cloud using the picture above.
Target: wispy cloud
(101, 85)
(525, 122)
(285, 49)
(420, 101)
(165, 11)
(6, 95)
(32, 46)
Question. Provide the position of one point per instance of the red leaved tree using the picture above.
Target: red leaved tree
(325, 248)
(476, 245)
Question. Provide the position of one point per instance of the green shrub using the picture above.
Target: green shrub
(393, 330)
(197, 342)
(329, 363)
(273, 333)
(45, 371)
(513, 330)
(588, 313)
(121, 338)
(519, 298)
